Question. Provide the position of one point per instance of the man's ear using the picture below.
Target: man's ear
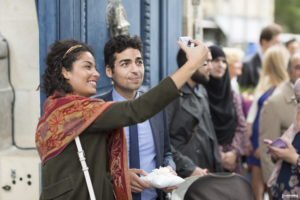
(108, 71)
(263, 43)
(65, 73)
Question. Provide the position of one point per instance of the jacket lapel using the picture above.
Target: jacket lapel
(288, 93)
(155, 127)
(105, 97)
(189, 104)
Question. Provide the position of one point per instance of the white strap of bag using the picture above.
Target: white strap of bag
(85, 168)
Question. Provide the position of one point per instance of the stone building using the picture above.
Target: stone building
(226, 22)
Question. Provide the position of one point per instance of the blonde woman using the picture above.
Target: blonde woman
(234, 58)
(273, 73)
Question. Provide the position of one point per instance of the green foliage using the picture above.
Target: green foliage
(287, 14)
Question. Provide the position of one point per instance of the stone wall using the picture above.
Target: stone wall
(6, 94)
(19, 25)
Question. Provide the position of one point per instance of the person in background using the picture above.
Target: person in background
(226, 111)
(292, 46)
(234, 58)
(124, 65)
(269, 36)
(284, 181)
(273, 74)
(277, 114)
(70, 78)
(192, 135)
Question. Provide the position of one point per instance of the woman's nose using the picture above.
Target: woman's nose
(96, 73)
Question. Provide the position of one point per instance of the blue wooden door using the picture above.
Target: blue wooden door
(158, 22)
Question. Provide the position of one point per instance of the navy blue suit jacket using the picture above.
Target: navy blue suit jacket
(160, 133)
(161, 138)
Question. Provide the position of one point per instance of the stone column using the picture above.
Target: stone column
(19, 26)
(6, 94)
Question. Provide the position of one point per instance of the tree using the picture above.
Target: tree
(287, 14)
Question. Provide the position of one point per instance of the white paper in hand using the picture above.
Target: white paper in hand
(162, 178)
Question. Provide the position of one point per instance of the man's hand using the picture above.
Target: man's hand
(138, 185)
(195, 55)
(229, 160)
(170, 189)
(199, 171)
(172, 171)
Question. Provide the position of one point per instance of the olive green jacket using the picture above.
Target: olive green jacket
(62, 176)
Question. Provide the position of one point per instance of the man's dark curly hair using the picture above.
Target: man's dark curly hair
(57, 58)
(181, 58)
(118, 44)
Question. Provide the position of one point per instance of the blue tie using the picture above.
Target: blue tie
(134, 154)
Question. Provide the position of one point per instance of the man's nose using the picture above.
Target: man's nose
(134, 67)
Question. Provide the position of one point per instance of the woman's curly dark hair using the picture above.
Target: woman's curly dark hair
(53, 79)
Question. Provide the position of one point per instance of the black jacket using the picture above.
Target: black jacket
(192, 133)
(250, 72)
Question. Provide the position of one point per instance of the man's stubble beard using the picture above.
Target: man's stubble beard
(199, 78)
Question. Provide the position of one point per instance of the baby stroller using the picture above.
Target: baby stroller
(214, 186)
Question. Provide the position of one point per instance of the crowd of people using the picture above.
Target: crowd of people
(194, 122)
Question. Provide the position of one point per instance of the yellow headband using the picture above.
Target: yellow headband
(71, 49)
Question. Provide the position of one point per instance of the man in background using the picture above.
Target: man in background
(252, 65)
(191, 130)
(292, 46)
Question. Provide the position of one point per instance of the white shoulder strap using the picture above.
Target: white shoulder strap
(85, 168)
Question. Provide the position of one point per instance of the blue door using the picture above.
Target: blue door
(157, 22)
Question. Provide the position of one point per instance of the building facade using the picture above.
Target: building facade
(227, 22)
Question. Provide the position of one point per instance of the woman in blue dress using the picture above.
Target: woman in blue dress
(273, 73)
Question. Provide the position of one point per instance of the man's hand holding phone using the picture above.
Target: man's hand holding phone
(195, 51)
(187, 41)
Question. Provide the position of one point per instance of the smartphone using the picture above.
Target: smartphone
(186, 40)
(279, 143)
(267, 141)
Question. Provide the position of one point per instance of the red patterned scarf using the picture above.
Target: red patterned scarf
(65, 118)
